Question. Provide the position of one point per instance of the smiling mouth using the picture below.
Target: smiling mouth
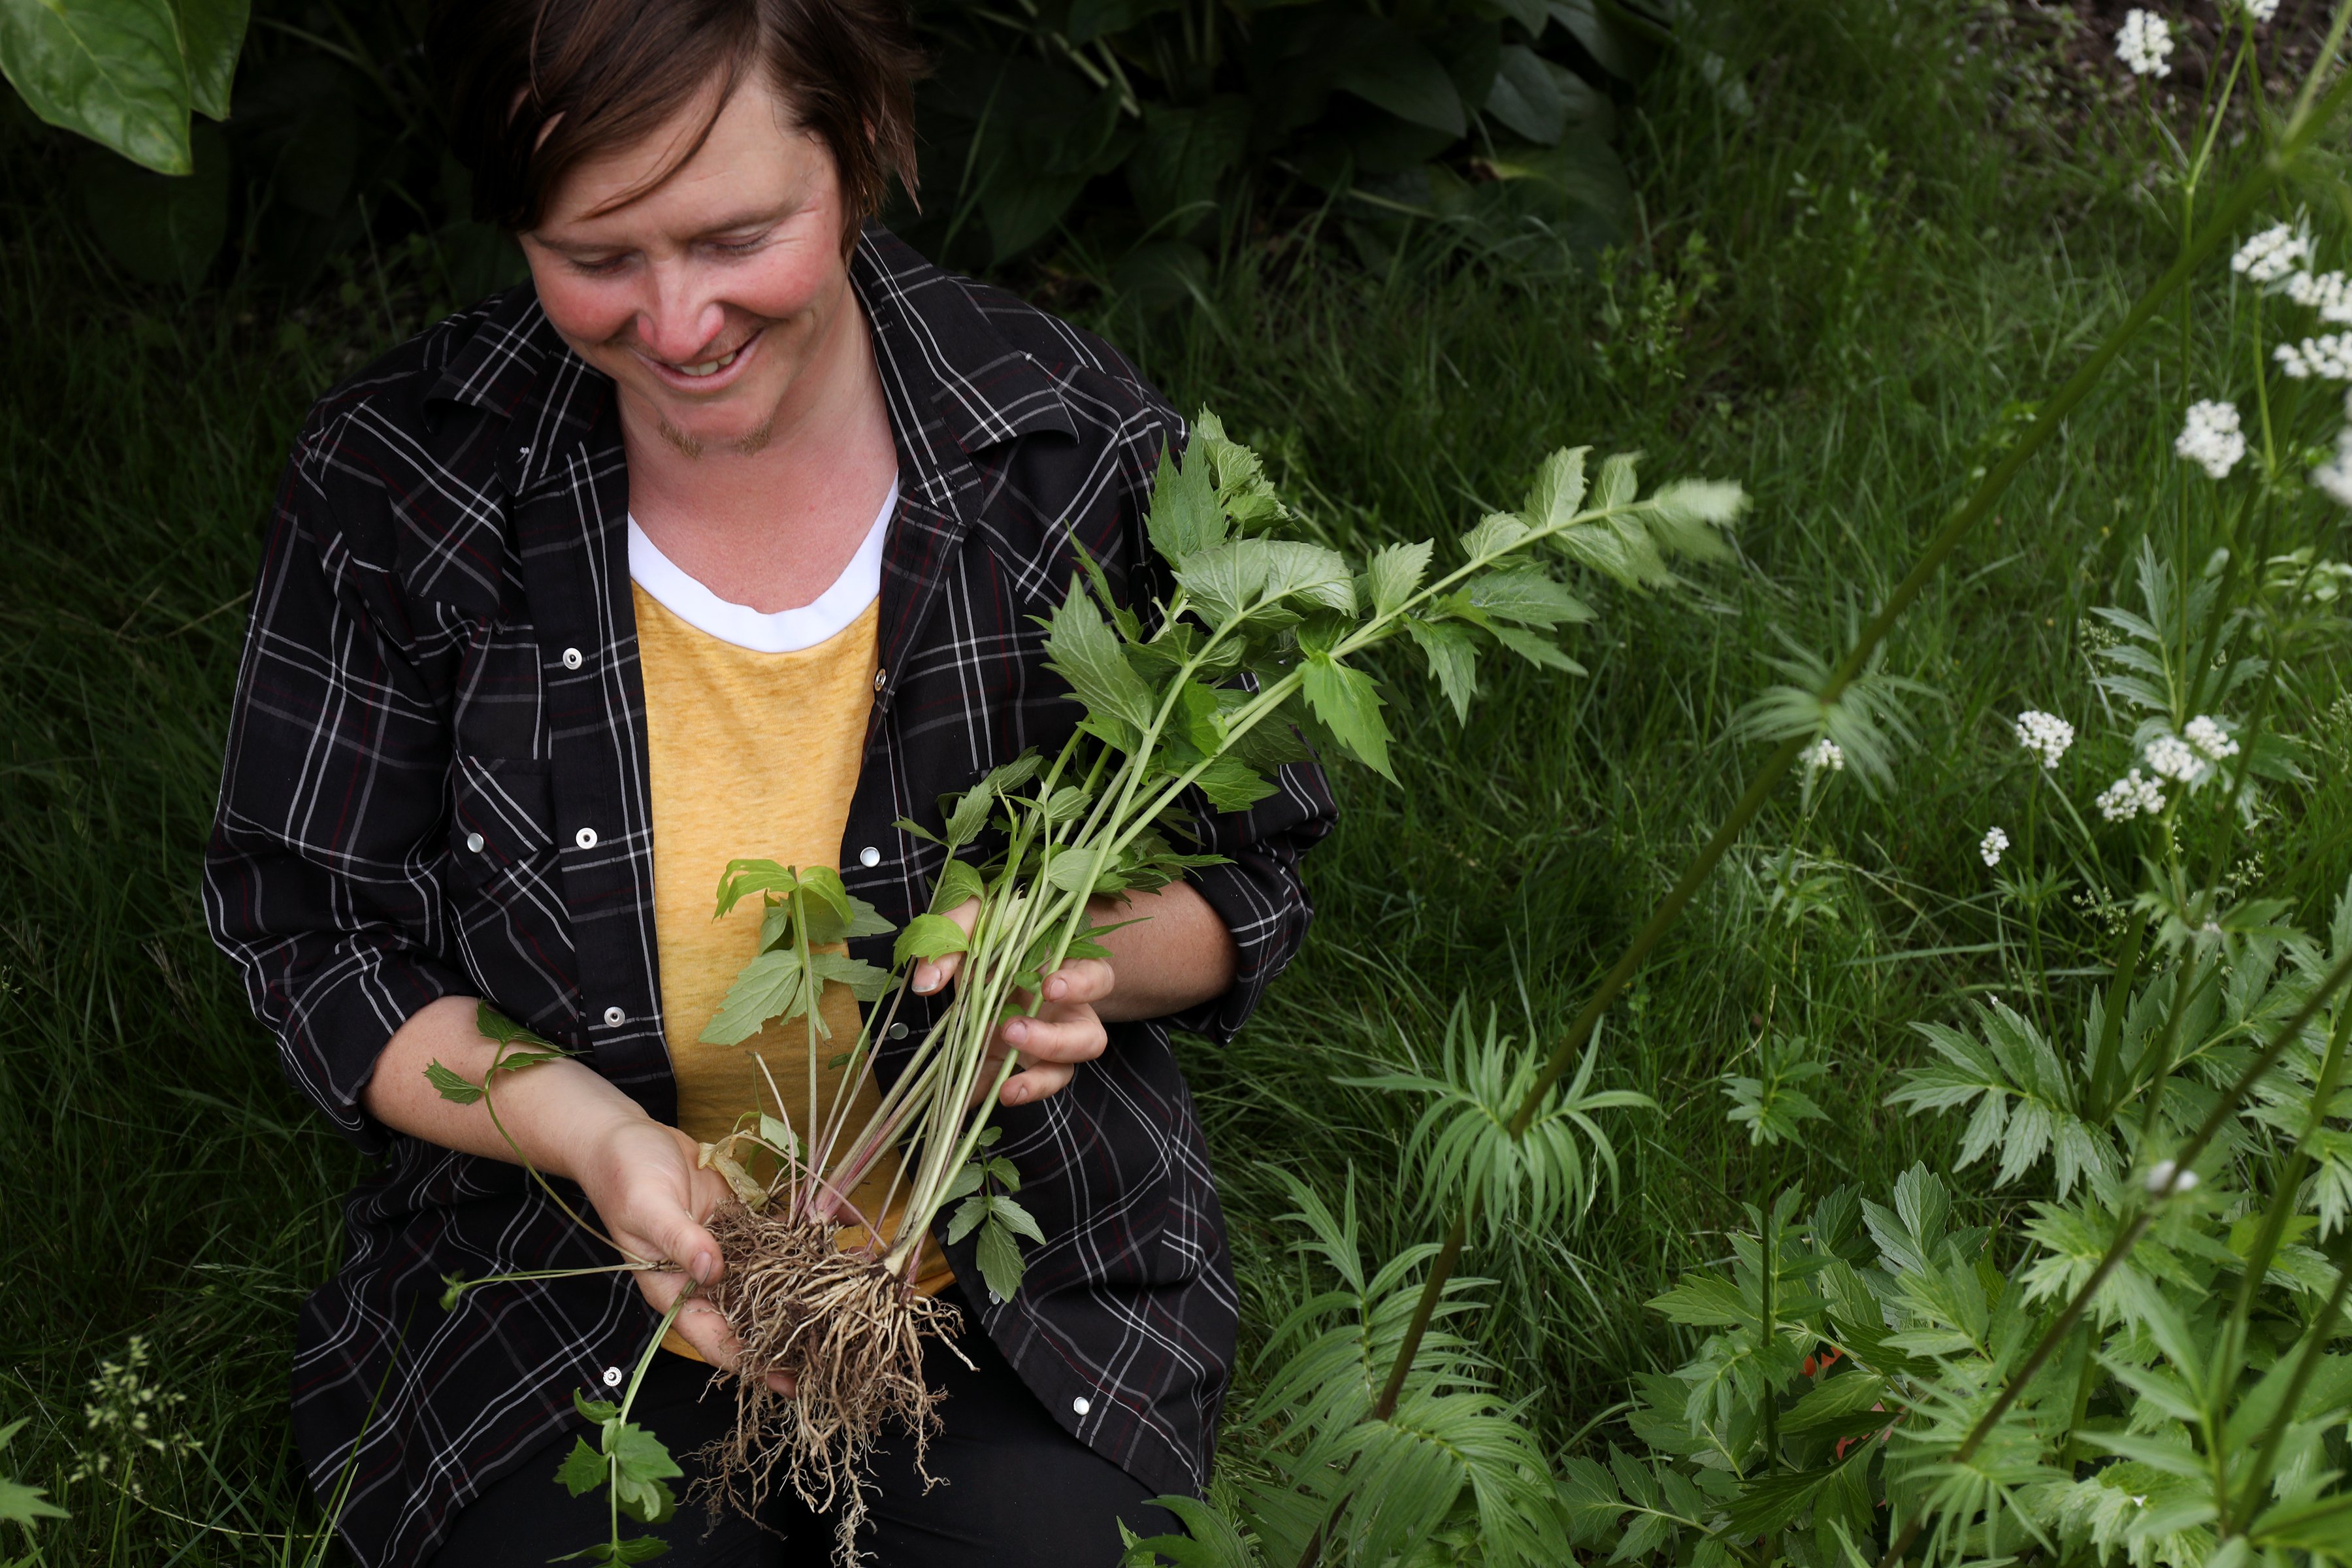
(700, 369)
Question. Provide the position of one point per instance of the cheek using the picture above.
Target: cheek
(585, 310)
(786, 283)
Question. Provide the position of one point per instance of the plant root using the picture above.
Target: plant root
(850, 1335)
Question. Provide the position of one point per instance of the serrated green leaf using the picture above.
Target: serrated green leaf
(1010, 1213)
(452, 1085)
(743, 878)
(1559, 488)
(1527, 594)
(770, 987)
(1395, 573)
(595, 1412)
(1232, 784)
(1314, 572)
(929, 937)
(500, 1029)
(974, 1210)
(1537, 650)
(865, 981)
(1496, 532)
(641, 1466)
(1226, 581)
(999, 1256)
(1005, 1172)
(965, 1182)
(1833, 1400)
(1184, 515)
(960, 883)
(1452, 655)
(583, 1469)
(1348, 704)
(1082, 649)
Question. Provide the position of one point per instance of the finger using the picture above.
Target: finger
(706, 1328)
(930, 973)
(1080, 980)
(1033, 1084)
(1076, 1037)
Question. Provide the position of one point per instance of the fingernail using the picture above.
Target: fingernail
(926, 979)
(1016, 1032)
(1055, 987)
(1016, 1095)
(704, 1266)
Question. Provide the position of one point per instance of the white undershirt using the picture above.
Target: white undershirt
(778, 631)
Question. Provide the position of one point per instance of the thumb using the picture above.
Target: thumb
(690, 1246)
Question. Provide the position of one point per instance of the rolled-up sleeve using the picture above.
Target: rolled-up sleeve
(322, 874)
(1259, 893)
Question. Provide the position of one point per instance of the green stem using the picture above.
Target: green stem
(2111, 1026)
(2315, 1346)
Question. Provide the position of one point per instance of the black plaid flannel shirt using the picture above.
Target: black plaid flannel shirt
(443, 644)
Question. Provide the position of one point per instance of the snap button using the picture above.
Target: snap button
(881, 678)
(898, 1031)
(571, 659)
(612, 1377)
(869, 856)
(586, 839)
(615, 1017)
(1079, 1407)
(474, 842)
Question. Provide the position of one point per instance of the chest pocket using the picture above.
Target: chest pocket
(501, 824)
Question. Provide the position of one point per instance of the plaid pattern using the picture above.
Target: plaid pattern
(443, 644)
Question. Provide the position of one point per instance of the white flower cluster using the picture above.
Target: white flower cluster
(2171, 757)
(2145, 44)
(2045, 733)
(2262, 11)
(2327, 356)
(1824, 753)
(2329, 293)
(2272, 254)
(2210, 439)
(2129, 796)
(1991, 844)
(2334, 478)
(2206, 735)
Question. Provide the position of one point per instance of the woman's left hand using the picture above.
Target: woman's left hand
(1065, 1030)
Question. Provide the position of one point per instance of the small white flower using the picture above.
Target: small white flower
(2171, 757)
(612, 1377)
(1824, 753)
(2271, 254)
(2045, 733)
(2333, 478)
(1991, 844)
(2165, 1177)
(2262, 11)
(2206, 735)
(2145, 44)
(2329, 293)
(2209, 437)
(2327, 356)
(2130, 795)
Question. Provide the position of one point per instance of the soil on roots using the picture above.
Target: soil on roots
(850, 1336)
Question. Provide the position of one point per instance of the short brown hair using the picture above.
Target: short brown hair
(607, 73)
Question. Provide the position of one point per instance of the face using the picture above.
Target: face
(716, 297)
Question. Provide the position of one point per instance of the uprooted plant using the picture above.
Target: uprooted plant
(1257, 652)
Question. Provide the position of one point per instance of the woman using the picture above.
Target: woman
(724, 536)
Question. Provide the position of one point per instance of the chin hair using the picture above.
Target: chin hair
(742, 445)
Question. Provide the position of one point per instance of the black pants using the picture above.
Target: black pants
(1015, 1490)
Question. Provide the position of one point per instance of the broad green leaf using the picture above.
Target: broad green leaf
(966, 1183)
(500, 1029)
(21, 1504)
(583, 1469)
(1242, 488)
(1559, 488)
(1010, 1213)
(1310, 572)
(1071, 870)
(866, 982)
(741, 879)
(1005, 1173)
(639, 1549)
(930, 937)
(1834, 1399)
(999, 1255)
(1705, 1300)
(821, 891)
(1232, 784)
(1527, 594)
(595, 1412)
(776, 1131)
(1198, 719)
(1348, 703)
(973, 1211)
(1452, 655)
(960, 883)
(1225, 581)
(515, 1061)
(1618, 481)
(108, 69)
(769, 987)
(1184, 516)
(1496, 532)
(1537, 650)
(211, 34)
(1395, 573)
(452, 1085)
(1386, 66)
(1084, 651)
(640, 1465)
(1689, 512)
(1525, 96)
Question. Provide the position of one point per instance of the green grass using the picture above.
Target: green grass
(1906, 237)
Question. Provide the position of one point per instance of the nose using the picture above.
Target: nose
(680, 319)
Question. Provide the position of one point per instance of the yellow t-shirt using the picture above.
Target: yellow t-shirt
(752, 754)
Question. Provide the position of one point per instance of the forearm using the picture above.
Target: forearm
(553, 1111)
(1178, 954)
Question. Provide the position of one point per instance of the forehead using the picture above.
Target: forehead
(751, 159)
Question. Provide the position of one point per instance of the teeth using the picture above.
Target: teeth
(710, 366)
